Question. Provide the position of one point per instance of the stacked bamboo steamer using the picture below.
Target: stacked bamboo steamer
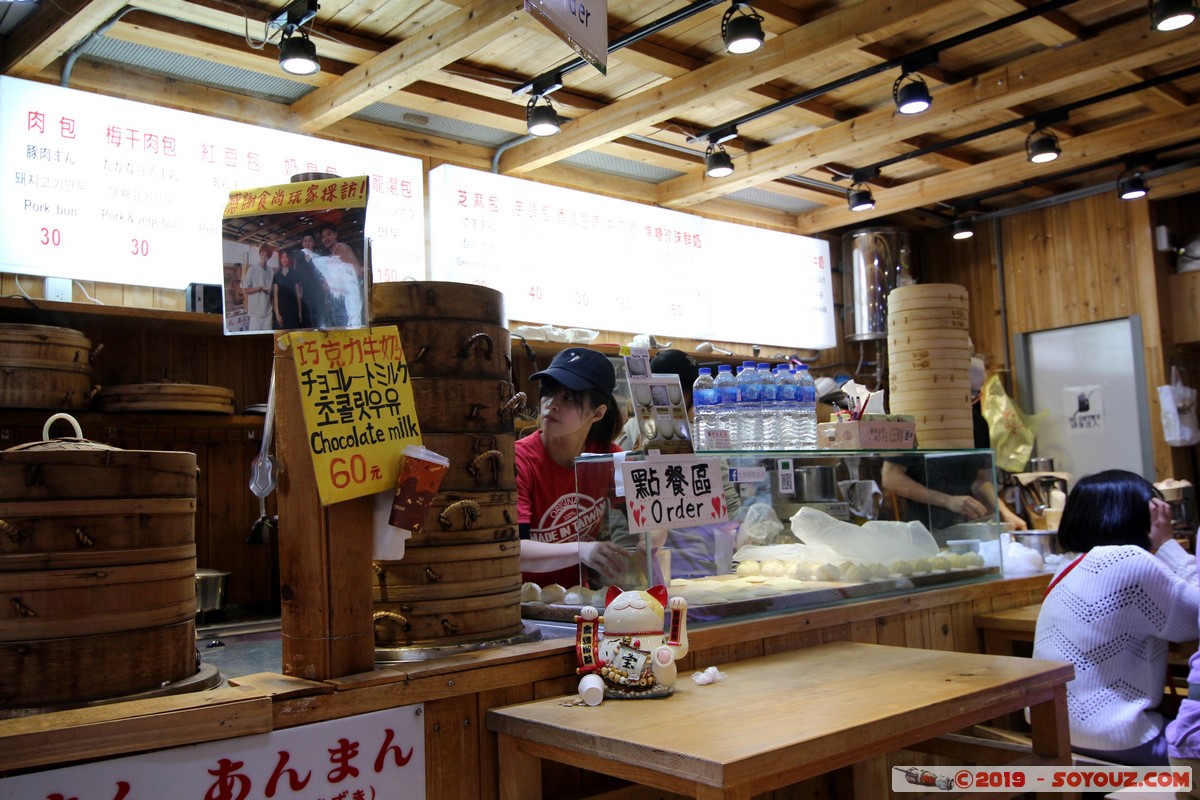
(459, 582)
(97, 573)
(45, 367)
(929, 362)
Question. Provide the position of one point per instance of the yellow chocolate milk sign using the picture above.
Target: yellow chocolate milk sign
(358, 408)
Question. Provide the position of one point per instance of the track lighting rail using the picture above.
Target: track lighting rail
(928, 52)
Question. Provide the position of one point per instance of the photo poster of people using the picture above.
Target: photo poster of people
(296, 256)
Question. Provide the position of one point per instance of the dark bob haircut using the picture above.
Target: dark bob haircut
(1108, 508)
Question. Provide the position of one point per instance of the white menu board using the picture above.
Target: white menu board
(571, 258)
(99, 188)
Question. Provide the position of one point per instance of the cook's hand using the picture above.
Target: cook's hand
(604, 557)
(1160, 523)
(966, 505)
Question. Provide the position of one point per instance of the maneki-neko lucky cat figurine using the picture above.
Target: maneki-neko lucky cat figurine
(627, 647)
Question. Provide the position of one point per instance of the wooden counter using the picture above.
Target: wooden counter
(776, 720)
(461, 755)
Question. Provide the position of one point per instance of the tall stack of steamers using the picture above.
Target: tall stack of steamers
(459, 581)
(929, 362)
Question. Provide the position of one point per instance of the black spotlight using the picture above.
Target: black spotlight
(298, 55)
(541, 120)
(1041, 147)
(1132, 186)
(859, 198)
(912, 97)
(962, 229)
(1171, 15)
(741, 29)
(717, 162)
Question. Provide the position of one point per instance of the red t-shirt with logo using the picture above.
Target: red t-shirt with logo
(547, 501)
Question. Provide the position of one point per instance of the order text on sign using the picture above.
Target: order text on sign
(673, 492)
(358, 407)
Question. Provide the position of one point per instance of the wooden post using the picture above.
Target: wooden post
(324, 555)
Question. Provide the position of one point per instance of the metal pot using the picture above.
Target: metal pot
(210, 590)
(816, 484)
(1044, 542)
(1041, 465)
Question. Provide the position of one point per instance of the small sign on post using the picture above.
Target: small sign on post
(358, 406)
(582, 24)
(673, 492)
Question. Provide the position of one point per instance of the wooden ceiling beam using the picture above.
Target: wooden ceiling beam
(51, 32)
(964, 105)
(782, 55)
(451, 38)
(1092, 148)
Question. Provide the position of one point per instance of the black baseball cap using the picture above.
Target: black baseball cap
(579, 369)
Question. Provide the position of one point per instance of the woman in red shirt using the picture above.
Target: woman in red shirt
(560, 525)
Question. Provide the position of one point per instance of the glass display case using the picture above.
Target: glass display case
(795, 529)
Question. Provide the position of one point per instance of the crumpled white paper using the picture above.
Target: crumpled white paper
(710, 675)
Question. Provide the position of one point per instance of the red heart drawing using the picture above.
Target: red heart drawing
(637, 514)
(718, 507)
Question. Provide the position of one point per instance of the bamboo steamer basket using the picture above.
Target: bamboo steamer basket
(466, 570)
(53, 603)
(465, 405)
(926, 295)
(95, 532)
(44, 367)
(54, 672)
(466, 511)
(406, 300)
(177, 397)
(910, 324)
(88, 570)
(449, 621)
(478, 461)
(453, 348)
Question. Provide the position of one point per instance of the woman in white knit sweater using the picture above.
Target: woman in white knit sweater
(1112, 613)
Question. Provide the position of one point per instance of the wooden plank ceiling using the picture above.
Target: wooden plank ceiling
(813, 107)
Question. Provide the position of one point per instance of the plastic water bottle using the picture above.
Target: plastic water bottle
(727, 401)
(806, 395)
(789, 407)
(705, 402)
(749, 406)
(770, 408)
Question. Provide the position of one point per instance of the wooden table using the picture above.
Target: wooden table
(783, 718)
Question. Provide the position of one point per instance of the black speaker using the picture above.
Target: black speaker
(204, 297)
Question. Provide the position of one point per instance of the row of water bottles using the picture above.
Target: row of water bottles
(759, 408)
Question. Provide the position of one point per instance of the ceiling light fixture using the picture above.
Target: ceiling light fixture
(1132, 186)
(859, 197)
(541, 120)
(1041, 147)
(962, 229)
(297, 53)
(741, 29)
(911, 97)
(1171, 15)
(717, 162)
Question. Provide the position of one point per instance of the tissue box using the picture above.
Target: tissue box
(873, 432)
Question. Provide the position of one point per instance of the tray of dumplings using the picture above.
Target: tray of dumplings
(785, 583)
(772, 584)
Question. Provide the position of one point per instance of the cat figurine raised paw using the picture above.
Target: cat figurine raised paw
(627, 646)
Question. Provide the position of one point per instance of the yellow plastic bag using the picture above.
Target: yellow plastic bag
(1010, 430)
